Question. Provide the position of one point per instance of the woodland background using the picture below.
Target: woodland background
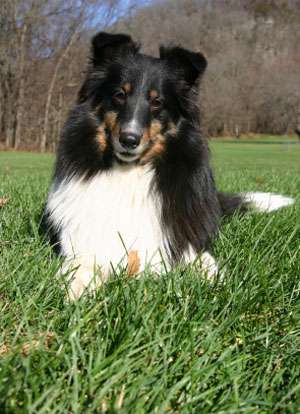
(252, 83)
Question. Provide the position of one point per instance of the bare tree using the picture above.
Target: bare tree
(252, 83)
(37, 43)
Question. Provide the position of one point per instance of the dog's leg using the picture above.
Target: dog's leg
(208, 264)
(82, 276)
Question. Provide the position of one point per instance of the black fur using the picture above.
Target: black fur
(191, 206)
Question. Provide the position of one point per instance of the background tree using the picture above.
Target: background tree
(252, 83)
(40, 42)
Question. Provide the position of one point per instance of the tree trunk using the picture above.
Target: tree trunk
(20, 98)
(8, 115)
(43, 143)
(19, 114)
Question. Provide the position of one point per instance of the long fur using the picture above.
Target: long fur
(133, 185)
(109, 215)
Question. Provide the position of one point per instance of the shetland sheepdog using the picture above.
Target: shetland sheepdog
(133, 186)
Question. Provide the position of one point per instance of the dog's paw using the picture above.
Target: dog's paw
(204, 262)
(82, 278)
(76, 289)
(209, 266)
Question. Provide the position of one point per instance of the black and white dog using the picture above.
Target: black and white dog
(133, 183)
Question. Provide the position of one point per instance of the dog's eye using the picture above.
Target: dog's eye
(120, 97)
(156, 104)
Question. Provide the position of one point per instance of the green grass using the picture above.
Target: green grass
(172, 344)
(260, 138)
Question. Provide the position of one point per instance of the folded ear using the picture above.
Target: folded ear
(188, 65)
(106, 46)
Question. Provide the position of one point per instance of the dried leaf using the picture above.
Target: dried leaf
(259, 180)
(3, 349)
(239, 339)
(27, 346)
(4, 200)
(121, 398)
(37, 343)
(134, 262)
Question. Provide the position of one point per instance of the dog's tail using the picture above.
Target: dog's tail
(259, 202)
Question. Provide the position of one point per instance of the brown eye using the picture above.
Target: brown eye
(120, 97)
(156, 104)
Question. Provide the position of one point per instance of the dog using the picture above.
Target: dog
(133, 187)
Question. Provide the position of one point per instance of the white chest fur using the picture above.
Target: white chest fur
(101, 218)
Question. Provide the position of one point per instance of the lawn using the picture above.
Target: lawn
(260, 138)
(169, 344)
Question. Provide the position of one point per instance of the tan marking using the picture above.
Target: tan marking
(156, 151)
(96, 110)
(112, 124)
(116, 131)
(101, 138)
(172, 128)
(156, 142)
(145, 140)
(150, 133)
(127, 87)
(134, 262)
(153, 94)
(155, 129)
(110, 120)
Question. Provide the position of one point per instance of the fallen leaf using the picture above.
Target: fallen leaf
(239, 340)
(27, 346)
(3, 349)
(43, 341)
(4, 200)
(121, 398)
(134, 262)
(259, 180)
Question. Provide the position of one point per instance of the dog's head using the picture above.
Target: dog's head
(139, 100)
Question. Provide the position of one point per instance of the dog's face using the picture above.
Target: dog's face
(139, 100)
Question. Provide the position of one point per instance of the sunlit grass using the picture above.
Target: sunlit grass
(172, 344)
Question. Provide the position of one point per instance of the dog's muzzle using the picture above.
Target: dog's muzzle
(128, 146)
(129, 141)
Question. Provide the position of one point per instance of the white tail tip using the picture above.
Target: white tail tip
(267, 202)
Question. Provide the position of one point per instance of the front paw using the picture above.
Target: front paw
(209, 266)
(82, 279)
(76, 288)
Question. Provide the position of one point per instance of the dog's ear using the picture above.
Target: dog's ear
(106, 47)
(188, 65)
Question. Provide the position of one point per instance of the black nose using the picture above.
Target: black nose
(129, 140)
